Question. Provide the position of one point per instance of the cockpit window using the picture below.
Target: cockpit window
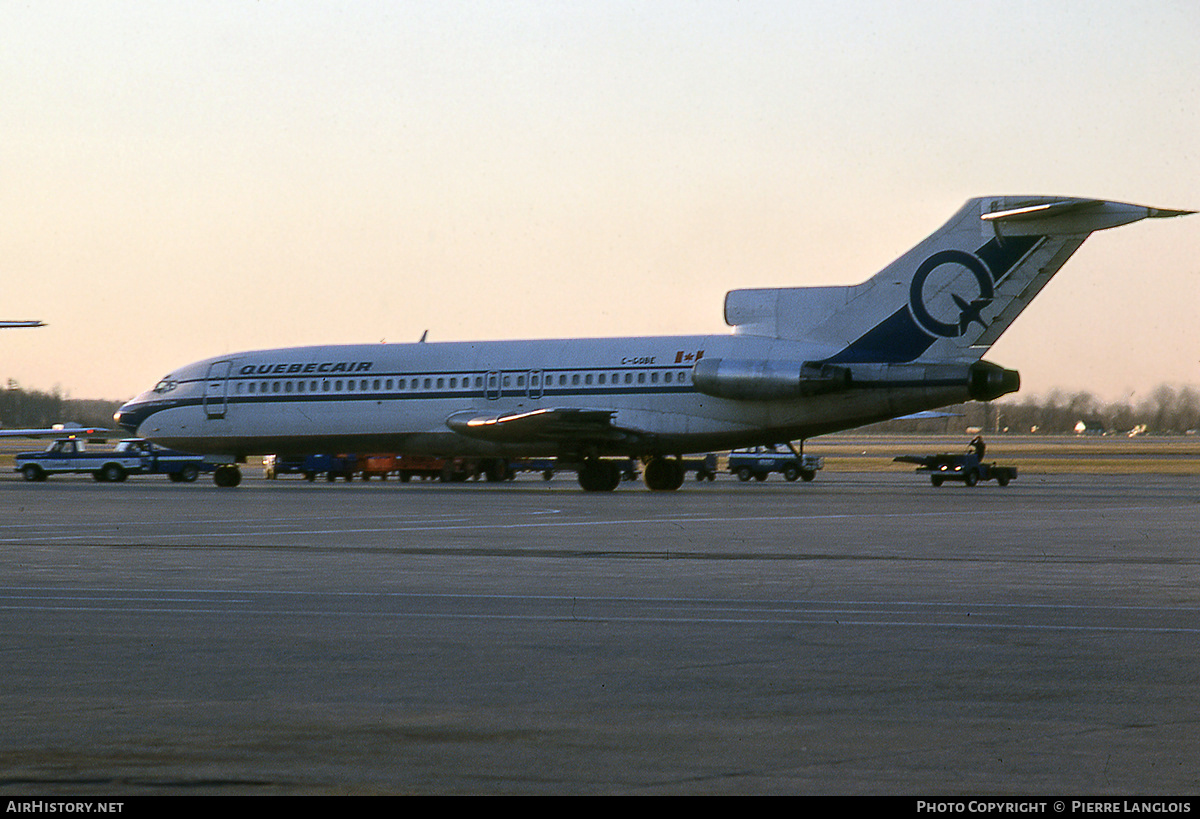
(166, 385)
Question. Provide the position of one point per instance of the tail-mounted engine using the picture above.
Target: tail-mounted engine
(767, 380)
(783, 380)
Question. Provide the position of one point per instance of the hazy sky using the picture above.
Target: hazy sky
(181, 180)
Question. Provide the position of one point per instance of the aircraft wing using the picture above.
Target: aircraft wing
(919, 460)
(559, 424)
(61, 431)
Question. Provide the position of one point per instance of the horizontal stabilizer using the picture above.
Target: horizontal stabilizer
(1047, 216)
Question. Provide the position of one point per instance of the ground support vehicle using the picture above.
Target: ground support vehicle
(404, 467)
(276, 465)
(966, 468)
(331, 466)
(547, 466)
(424, 467)
(627, 468)
(453, 470)
(311, 466)
(705, 468)
(759, 462)
(132, 456)
(407, 467)
(377, 466)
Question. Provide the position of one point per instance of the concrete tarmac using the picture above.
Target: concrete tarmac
(862, 634)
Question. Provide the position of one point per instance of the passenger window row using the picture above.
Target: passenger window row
(454, 382)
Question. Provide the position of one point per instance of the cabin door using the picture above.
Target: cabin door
(535, 384)
(216, 389)
(491, 388)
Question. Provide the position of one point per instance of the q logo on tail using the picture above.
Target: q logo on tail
(969, 304)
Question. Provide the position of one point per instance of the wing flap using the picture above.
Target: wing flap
(558, 424)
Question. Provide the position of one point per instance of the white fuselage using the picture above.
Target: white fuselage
(398, 397)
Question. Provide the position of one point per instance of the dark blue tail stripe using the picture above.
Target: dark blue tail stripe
(899, 338)
(1001, 257)
(896, 338)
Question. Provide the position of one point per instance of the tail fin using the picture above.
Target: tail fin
(951, 296)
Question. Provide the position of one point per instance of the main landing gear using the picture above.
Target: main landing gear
(597, 475)
(664, 474)
(661, 474)
(227, 475)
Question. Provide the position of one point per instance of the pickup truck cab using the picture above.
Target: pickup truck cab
(132, 456)
(760, 461)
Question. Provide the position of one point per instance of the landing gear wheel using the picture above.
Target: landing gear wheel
(496, 470)
(227, 475)
(664, 474)
(596, 475)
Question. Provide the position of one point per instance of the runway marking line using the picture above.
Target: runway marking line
(644, 521)
(791, 613)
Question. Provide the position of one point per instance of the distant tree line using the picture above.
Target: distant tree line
(21, 408)
(1164, 411)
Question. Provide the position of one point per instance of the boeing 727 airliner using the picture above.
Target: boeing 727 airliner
(800, 362)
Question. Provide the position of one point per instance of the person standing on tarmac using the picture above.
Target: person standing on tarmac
(977, 446)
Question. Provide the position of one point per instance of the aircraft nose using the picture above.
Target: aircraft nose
(131, 415)
(124, 417)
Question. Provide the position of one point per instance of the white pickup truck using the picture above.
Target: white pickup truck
(132, 456)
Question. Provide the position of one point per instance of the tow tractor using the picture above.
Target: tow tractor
(967, 468)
